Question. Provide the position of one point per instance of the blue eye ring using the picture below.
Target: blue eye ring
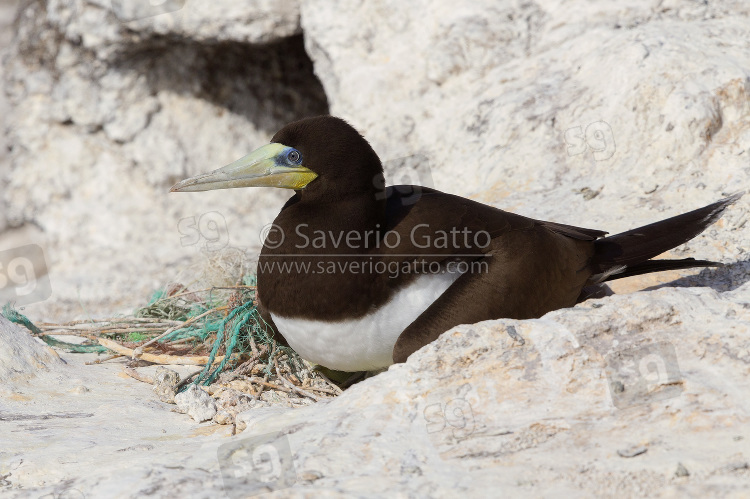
(294, 157)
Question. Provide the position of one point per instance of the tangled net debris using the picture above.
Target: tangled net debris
(216, 327)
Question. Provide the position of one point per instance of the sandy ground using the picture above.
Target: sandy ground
(95, 418)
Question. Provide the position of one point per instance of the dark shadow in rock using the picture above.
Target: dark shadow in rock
(270, 84)
(727, 278)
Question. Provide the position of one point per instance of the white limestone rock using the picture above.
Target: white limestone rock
(106, 26)
(196, 403)
(493, 111)
(478, 411)
(165, 384)
(21, 355)
(100, 130)
(597, 114)
(621, 114)
(247, 420)
(605, 116)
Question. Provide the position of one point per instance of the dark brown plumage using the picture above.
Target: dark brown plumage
(531, 266)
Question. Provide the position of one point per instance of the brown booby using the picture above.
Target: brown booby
(356, 278)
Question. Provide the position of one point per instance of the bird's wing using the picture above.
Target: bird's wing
(530, 266)
(434, 225)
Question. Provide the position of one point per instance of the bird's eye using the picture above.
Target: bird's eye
(294, 156)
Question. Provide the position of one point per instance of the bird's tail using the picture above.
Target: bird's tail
(629, 253)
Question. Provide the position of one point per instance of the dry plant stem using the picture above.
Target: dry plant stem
(265, 384)
(253, 346)
(261, 387)
(195, 348)
(247, 368)
(336, 389)
(324, 390)
(130, 330)
(76, 332)
(72, 332)
(158, 359)
(140, 377)
(186, 380)
(183, 340)
(120, 320)
(291, 385)
(99, 361)
(184, 293)
(100, 326)
(139, 351)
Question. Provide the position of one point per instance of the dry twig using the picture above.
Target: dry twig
(140, 377)
(99, 361)
(290, 385)
(139, 351)
(201, 360)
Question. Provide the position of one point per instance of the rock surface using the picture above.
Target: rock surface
(553, 416)
(165, 384)
(593, 114)
(7, 13)
(616, 397)
(106, 116)
(622, 115)
(94, 421)
(196, 403)
(21, 355)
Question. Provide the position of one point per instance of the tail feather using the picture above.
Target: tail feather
(629, 253)
(660, 265)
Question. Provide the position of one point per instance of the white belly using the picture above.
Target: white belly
(365, 343)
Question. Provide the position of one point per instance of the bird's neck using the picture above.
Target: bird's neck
(352, 224)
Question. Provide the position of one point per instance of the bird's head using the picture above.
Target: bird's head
(321, 156)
